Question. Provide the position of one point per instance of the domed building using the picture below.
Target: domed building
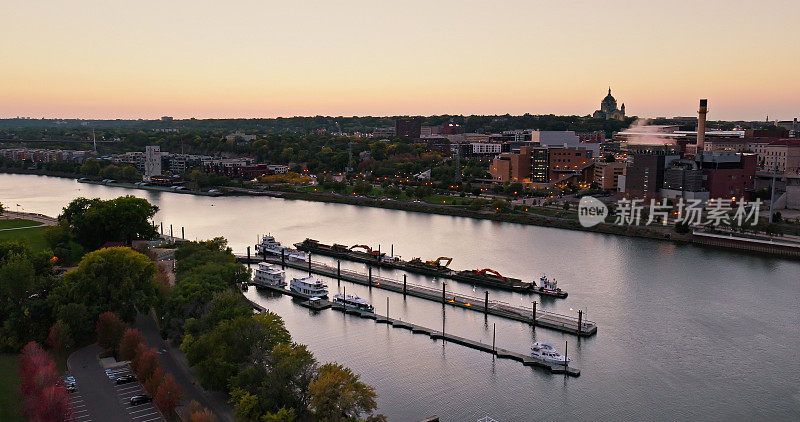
(609, 110)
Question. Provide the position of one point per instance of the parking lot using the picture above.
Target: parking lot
(146, 412)
(97, 397)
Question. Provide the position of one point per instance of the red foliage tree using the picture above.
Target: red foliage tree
(145, 362)
(110, 329)
(130, 343)
(59, 337)
(152, 383)
(43, 396)
(169, 394)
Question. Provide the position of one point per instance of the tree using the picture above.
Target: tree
(169, 394)
(111, 279)
(93, 222)
(90, 167)
(291, 368)
(145, 363)
(198, 413)
(245, 405)
(151, 384)
(110, 329)
(60, 338)
(129, 343)
(282, 415)
(337, 394)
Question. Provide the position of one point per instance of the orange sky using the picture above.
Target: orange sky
(261, 58)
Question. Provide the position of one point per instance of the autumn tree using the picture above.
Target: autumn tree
(44, 398)
(145, 362)
(152, 382)
(129, 344)
(110, 329)
(198, 413)
(60, 338)
(337, 394)
(169, 394)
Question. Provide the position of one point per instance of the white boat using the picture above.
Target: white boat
(351, 301)
(547, 353)
(270, 246)
(309, 286)
(267, 275)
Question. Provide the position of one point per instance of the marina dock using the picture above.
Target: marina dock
(564, 323)
(526, 360)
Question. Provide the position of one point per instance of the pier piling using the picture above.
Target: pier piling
(183, 235)
(248, 255)
(486, 303)
(170, 233)
(370, 276)
(533, 315)
(443, 298)
(387, 306)
(580, 321)
(309, 264)
(338, 272)
(494, 337)
(404, 284)
(162, 228)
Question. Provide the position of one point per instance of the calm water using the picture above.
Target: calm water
(685, 333)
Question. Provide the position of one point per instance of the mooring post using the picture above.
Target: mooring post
(248, 255)
(338, 270)
(486, 303)
(443, 286)
(283, 257)
(533, 315)
(392, 250)
(580, 321)
(387, 307)
(494, 337)
(369, 280)
(405, 276)
(566, 344)
(162, 228)
(378, 256)
(183, 235)
(309, 265)
(170, 233)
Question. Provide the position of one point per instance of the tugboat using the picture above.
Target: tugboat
(549, 287)
(351, 301)
(547, 353)
(309, 286)
(267, 275)
(271, 246)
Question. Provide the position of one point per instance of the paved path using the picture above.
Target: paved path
(44, 219)
(174, 362)
(97, 397)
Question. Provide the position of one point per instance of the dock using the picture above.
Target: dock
(564, 323)
(500, 353)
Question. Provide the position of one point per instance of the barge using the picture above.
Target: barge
(434, 268)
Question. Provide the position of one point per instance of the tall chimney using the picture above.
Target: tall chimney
(701, 125)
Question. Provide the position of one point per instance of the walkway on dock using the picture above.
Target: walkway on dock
(560, 322)
(526, 360)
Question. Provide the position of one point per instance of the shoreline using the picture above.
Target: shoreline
(742, 245)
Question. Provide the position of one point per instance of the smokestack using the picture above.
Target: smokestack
(701, 125)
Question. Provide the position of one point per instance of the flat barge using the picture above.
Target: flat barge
(484, 277)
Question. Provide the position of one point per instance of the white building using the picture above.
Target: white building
(152, 161)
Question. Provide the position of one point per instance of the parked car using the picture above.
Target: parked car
(125, 379)
(140, 399)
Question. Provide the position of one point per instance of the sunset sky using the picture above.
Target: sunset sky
(263, 58)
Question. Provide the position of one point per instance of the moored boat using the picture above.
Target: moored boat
(268, 275)
(549, 287)
(352, 301)
(548, 353)
(309, 286)
(270, 246)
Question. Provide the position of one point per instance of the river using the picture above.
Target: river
(685, 333)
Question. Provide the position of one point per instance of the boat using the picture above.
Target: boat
(492, 278)
(548, 353)
(267, 275)
(270, 246)
(309, 286)
(351, 301)
(549, 287)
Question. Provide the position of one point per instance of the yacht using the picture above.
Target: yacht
(353, 302)
(309, 286)
(267, 275)
(270, 246)
(547, 353)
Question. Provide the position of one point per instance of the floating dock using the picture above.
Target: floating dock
(560, 322)
(418, 329)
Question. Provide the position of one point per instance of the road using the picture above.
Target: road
(174, 362)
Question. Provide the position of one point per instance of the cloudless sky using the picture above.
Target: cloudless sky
(265, 58)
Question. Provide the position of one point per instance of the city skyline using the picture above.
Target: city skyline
(247, 59)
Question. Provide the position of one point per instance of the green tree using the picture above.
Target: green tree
(291, 368)
(282, 415)
(90, 167)
(111, 279)
(338, 394)
(93, 222)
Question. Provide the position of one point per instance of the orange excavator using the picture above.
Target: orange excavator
(366, 249)
(490, 271)
(437, 262)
